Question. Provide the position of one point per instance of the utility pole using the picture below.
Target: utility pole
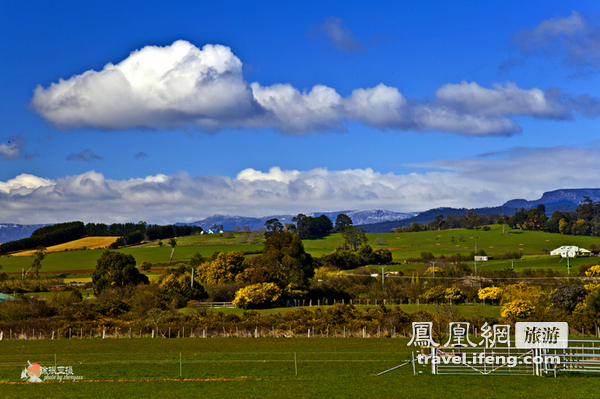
(433, 269)
(382, 277)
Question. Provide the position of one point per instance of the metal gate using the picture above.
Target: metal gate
(580, 356)
(484, 361)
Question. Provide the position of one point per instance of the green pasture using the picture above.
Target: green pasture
(518, 265)
(493, 241)
(86, 260)
(256, 368)
(402, 245)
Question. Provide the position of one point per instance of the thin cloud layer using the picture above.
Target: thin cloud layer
(572, 38)
(15, 149)
(181, 86)
(85, 155)
(337, 34)
(485, 181)
(10, 151)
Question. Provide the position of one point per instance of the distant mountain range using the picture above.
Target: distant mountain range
(11, 231)
(565, 200)
(558, 200)
(375, 221)
(358, 218)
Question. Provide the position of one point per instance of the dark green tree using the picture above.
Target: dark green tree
(364, 252)
(518, 219)
(438, 222)
(536, 217)
(414, 227)
(311, 227)
(341, 221)
(283, 262)
(586, 209)
(472, 220)
(354, 237)
(381, 256)
(115, 269)
(273, 226)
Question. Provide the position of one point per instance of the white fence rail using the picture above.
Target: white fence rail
(579, 356)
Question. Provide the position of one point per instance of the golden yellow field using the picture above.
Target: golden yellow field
(87, 242)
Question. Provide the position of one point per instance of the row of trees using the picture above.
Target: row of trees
(130, 234)
(46, 236)
(469, 221)
(309, 226)
(134, 233)
(584, 221)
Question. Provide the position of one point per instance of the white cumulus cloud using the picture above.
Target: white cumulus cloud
(501, 100)
(180, 86)
(486, 181)
(153, 87)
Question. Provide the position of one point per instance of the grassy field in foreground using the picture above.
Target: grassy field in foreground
(402, 245)
(256, 368)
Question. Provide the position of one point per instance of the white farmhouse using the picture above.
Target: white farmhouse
(569, 251)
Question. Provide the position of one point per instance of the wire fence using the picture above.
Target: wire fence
(188, 365)
(179, 331)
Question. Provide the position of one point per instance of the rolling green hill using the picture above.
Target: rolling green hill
(402, 245)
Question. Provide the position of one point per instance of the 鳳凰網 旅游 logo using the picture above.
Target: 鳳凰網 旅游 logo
(492, 346)
(34, 372)
(527, 335)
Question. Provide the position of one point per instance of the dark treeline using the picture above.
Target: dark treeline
(156, 232)
(46, 236)
(585, 221)
(312, 227)
(306, 226)
(134, 233)
(471, 220)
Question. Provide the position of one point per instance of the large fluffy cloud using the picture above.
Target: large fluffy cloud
(153, 87)
(181, 85)
(486, 181)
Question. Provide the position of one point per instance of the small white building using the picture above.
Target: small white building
(570, 251)
(478, 258)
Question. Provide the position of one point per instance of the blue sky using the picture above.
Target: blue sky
(167, 112)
